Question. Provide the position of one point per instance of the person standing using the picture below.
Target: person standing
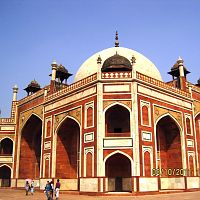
(27, 187)
(57, 189)
(48, 191)
(52, 187)
(32, 187)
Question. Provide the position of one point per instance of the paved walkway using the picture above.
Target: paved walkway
(11, 194)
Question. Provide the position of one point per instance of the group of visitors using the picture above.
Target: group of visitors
(50, 191)
(29, 187)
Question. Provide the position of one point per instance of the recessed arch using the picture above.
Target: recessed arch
(60, 123)
(197, 127)
(197, 114)
(68, 145)
(118, 151)
(5, 175)
(168, 143)
(32, 114)
(118, 170)
(6, 146)
(30, 148)
(117, 103)
(117, 121)
(171, 116)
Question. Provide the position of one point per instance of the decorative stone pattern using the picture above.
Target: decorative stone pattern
(108, 102)
(72, 87)
(75, 113)
(116, 75)
(159, 111)
(196, 107)
(161, 84)
(31, 97)
(38, 111)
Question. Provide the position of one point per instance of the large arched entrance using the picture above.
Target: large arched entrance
(118, 172)
(169, 155)
(197, 126)
(67, 150)
(30, 148)
(6, 147)
(117, 121)
(5, 175)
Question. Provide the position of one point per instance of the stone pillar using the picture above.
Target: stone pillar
(54, 67)
(15, 90)
(182, 75)
(53, 76)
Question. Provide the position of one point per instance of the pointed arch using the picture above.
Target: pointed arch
(117, 120)
(123, 153)
(30, 147)
(117, 103)
(68, 144)
(5, 175)
(168, 139)
(173, 118)
(60, 123)
(6, 146)
(28, 118)
(118, 170)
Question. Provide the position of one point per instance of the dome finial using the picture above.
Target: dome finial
(116, 40)
(99, 60)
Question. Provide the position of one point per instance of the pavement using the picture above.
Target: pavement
(11, 194)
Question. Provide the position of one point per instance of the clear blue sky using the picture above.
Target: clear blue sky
(33, 32)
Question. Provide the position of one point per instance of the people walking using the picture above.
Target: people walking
(52, 188)
(57, 189)
(27, 187)
(32, 187)
(48, 191)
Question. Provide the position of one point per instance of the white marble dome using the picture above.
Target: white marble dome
(142, 65)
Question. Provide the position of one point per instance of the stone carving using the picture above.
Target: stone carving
(27, 114)
(196, 107)
(75, 113)
(107, 103)
(159, 111)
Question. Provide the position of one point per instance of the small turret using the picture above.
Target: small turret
(15, 91)
(179, 73)
(32, 87)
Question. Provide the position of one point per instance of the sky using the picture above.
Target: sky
(34, 32)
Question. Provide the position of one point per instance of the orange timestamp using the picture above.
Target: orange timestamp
(171, 172)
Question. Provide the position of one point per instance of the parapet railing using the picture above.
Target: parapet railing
(72, 87)
(161, 84)
(6, 120)
(116, 75)
(31, 97)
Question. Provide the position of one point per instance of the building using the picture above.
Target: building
(117, 128)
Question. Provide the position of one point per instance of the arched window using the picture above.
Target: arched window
(89, 164)
(191, 166)
(147, 164)
(145, 115)
(89, 119)
(117, 121)
(6, 147)
(188, 125)
(48, 129)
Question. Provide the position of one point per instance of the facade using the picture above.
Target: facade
(117, 128)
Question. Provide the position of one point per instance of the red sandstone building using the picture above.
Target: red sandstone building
(117, 127)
